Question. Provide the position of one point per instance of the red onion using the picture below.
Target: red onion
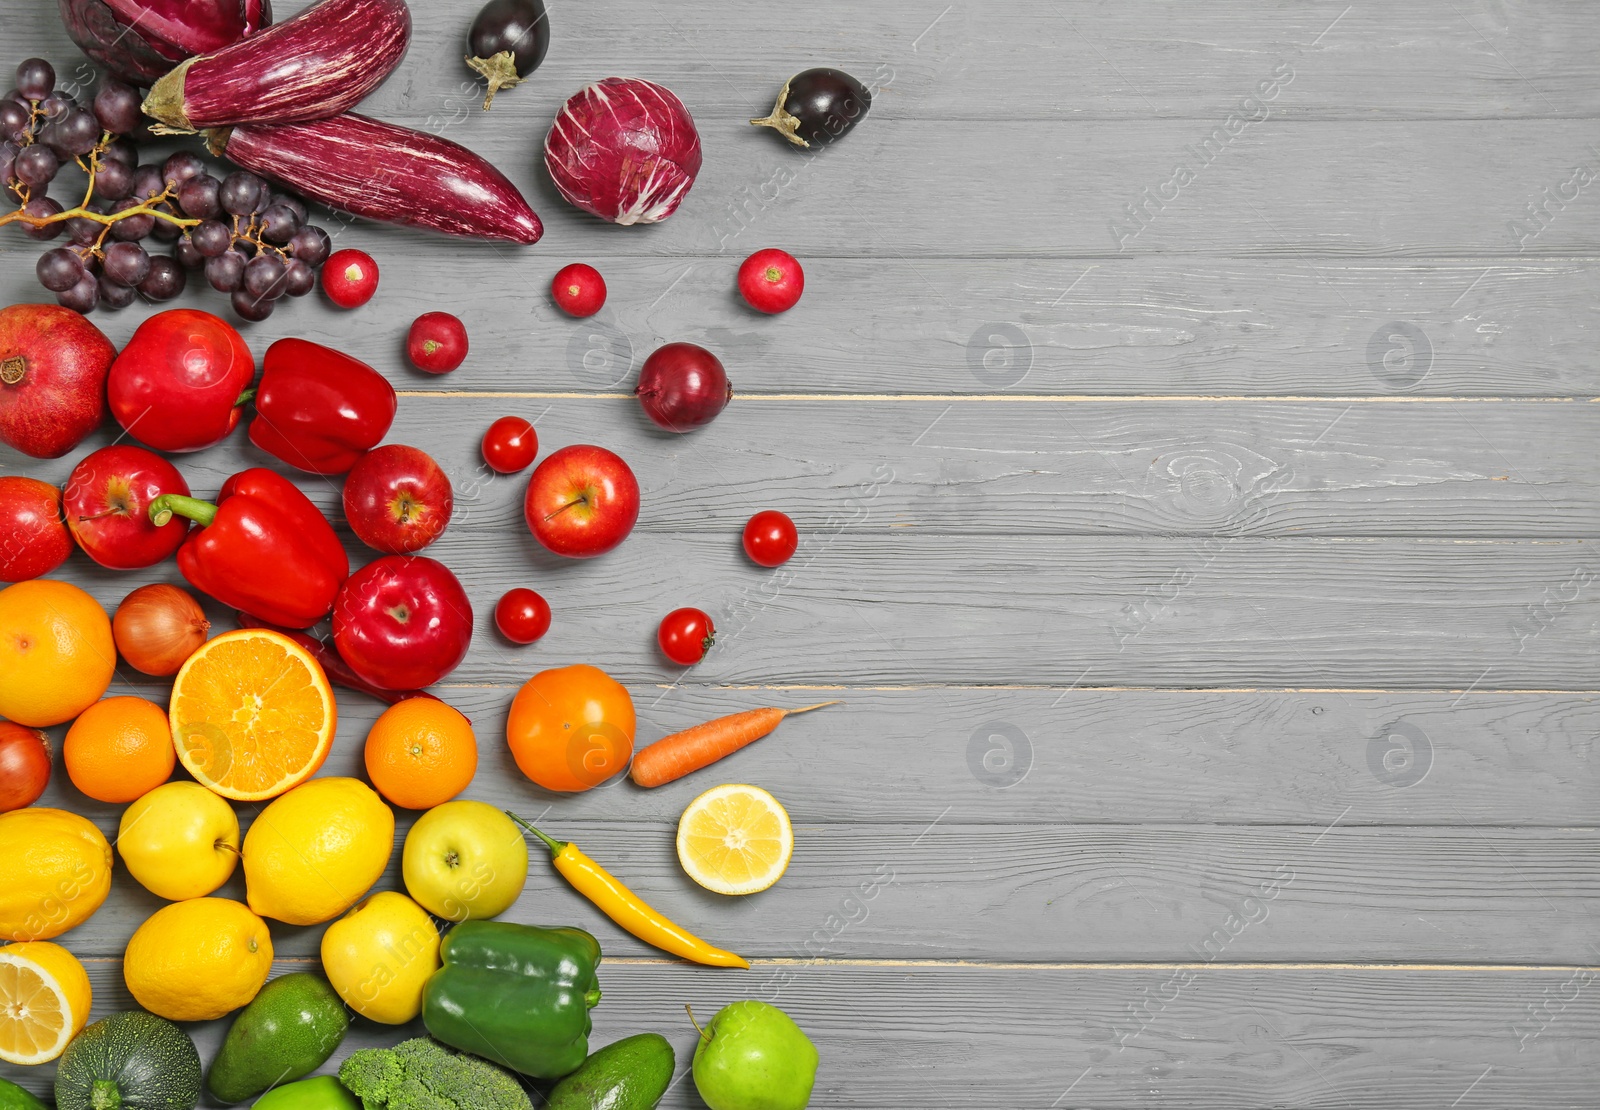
(683, 387)
(624, 149)
(384, 172)
(315, 65)
(140, 40)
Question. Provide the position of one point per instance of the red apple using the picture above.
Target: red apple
(582, 501)
(402, 622)
(53, 366)
(33, 541)
(108, 507)
(397, 499)
(179, 384)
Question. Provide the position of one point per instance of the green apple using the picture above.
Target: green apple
(463, 860)
(753, 1056)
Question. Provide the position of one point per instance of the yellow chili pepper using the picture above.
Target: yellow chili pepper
(626, 908)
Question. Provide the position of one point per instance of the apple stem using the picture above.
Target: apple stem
(703, 1034)
(225, 846)
(568, 505)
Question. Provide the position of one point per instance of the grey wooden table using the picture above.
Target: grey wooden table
(1191, 424)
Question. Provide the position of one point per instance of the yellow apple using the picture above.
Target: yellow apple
(465, 859)
(379, 955)
(180, 840)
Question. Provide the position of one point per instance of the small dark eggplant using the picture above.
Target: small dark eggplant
(508, 41)
(818, 106)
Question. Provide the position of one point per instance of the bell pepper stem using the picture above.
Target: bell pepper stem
(555, 846)
(591, 999)
(246, 397)
(163, 507)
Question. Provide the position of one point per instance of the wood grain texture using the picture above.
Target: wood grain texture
(1218, 469)
(1210, 1037)
(1167, 534)
(949, 889)
(1084, 756)
(904, 608)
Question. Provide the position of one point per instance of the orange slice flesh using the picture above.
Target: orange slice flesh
(252, 714)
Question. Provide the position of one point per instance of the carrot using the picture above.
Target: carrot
(682, 753)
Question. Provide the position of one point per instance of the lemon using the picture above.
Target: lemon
(316, 850)
(180, 840)
(57, 872)
(197, 960)
(379, 955)
(735, 839)
(44, 1001)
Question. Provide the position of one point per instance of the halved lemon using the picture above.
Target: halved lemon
(44, 1001)
(735, 839)
(252, 714)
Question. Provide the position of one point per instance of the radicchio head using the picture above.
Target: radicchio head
(624, 149)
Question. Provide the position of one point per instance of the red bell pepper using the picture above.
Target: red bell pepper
(263, 548)
(318, 409)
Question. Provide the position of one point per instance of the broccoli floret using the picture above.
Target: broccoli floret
(422, 1074)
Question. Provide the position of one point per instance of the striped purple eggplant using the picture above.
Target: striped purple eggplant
(140, 40)
(313, 66)
(383, 172)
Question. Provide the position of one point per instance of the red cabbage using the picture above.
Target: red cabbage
(140, 40)
(624, 149)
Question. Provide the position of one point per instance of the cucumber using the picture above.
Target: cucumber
(630, 1074)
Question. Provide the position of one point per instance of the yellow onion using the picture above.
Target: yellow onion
(158, 627)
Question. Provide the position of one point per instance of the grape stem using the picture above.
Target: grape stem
(149, 207)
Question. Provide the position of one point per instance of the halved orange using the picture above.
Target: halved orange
(252, 714)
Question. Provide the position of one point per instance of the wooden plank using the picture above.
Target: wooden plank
(1421, 59)
(948, 888)
(908, 608)
(1085, 756)
(1211, 1037)
(1485, 327)
(1045, 468)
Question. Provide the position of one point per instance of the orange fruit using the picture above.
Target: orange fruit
(252, 714)
(571, 728)
(119, 749)
(56, 652)
(421, 753)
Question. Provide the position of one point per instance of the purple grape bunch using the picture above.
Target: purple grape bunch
(252, 242)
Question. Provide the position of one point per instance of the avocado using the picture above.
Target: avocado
(13, 1097)
(630, 1074)
(289, 1030)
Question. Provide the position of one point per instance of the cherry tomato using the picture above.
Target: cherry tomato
(579, 290)
(571, 728)
(770, 538)
(350, 277)
(522, 616)
(510, 445)
(686, 635)
(437, 342)
(771, 280)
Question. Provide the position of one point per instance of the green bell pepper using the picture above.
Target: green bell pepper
(322, 1093)
(518, 995)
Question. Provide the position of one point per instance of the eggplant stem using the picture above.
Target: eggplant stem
(500, 70)
(165, 101)
(782, 121)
